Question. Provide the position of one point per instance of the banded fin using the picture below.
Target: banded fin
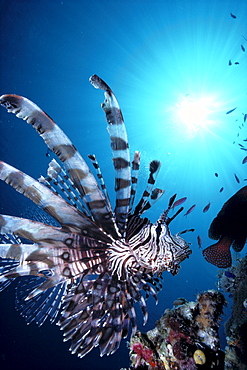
(57, 176)
(59, 143)
(164, 216)
(120, 148)
(154, 168)
(134, 177)
(95, 163)
(67, 216)
(42, 306)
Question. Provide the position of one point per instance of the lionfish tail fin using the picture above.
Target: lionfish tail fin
(219, 254)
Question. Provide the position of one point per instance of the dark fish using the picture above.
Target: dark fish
(233, 16)
(244, 160)
(178, 202)
(206, 208)
(230, 227)
(199, 241)
(221, 189)
(242, 47)
(243, 149)
(230, 62)
(216, 175)
(236, 63)
(230, 111)
(190, 210)
(230, 274)
(241, 145)
(244, 139)
(245, 117)
(237, 179)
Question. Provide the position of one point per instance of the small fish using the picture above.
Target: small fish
(236, 63)
(243, 148)
(199, 241)
(206, 208)
(230, 274)
(178, 202)
(244, 139)
(230, 111)
(242, 47)
(237, 179)
(190, 210)
(245, 117)
(233, 16)
(244, 160)
(221, 189)
(241, 145)
(48, 152)
(230, 62)
(216, 175)
(245, 179)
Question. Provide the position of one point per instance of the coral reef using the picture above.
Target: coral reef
(234, 281)
(184, 338)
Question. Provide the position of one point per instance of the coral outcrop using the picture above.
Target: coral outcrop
(184, 338)
(234, 281)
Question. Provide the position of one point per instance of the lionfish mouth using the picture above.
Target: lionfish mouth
(80, 251)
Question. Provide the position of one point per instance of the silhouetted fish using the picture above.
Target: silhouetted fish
(233, 16)
(244, 160)
(216, 174)
(178, 202)
(221, 189)
(237, 179)
(230, 111)
(242, 47)
(245, 117)
(206, 208)
(199, 241)
(236, 63)
(230, 274)
(230, 62)
(230, 227)
(190, 210)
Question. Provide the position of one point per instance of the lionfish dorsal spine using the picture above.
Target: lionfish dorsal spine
(120, 149)
(134, 177)
(154, 168)
(57, 176)
(59, 143)
(100, 177)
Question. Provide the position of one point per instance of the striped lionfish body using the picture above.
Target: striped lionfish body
(94, 260)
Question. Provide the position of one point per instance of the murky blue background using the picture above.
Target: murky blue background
(154, 55)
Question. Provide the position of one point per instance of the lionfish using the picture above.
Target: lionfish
(94, 263)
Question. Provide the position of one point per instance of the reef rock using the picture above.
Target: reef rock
(184, 338)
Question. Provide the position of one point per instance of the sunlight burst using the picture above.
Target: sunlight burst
(194, 113)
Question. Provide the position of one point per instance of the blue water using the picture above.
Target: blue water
(155, 55)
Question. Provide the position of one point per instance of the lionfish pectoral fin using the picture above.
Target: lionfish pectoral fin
(60, 144)
(219, 254)
(45, 304)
